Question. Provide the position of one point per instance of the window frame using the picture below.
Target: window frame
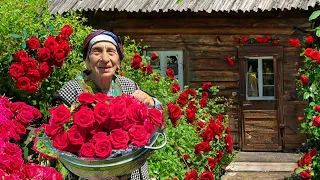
(163, 63)
(260, 79)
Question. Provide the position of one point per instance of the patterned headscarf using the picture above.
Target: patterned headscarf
(86, 47)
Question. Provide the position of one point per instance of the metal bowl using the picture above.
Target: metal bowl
(110, 167)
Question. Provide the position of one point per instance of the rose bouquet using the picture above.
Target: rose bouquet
(101, 126)
(35, 63)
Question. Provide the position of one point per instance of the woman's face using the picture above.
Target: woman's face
(103, 59)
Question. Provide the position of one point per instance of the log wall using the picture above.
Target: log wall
(207, 39)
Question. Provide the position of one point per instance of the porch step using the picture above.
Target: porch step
(261, 167)
(267, 157)
(256, 175)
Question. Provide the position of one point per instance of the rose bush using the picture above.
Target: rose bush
(199, 142)
(308, 87)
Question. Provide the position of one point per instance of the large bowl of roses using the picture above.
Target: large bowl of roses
(102, 136)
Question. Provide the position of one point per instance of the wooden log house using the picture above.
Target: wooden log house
(196, 37)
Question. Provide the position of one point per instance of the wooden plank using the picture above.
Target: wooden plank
(296, 139)
(210, 64)
(222, 85)
(212, 54)
(262, 147)
(213, 30)
(259, 113)
(292, 146)
(213, 76)
(253, 50)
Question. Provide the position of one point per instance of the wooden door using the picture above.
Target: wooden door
(260, 105)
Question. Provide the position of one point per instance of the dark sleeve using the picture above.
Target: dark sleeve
(68, 94)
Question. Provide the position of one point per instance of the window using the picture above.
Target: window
(169, 59)
(260, 78)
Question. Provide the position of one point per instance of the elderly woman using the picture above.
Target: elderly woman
(102, 53)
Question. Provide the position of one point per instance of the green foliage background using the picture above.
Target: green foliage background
(21, 19)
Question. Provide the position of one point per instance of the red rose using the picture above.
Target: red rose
(137, 113)
(244, 39)
(61, 115)
(19, 55)
(33, 43)
(185, 156)
(237, 40)
(207, 135)
(203, 146)
(33, 88)
(275, 41)
(313, 152)
(170, 73)
(191, 175)
(155, 116)
(206, 86)
(84, 118)
(305, 175)
(25, 116)
(309, 39)
(66, 30)
(156, 78)
(29, 64)
(154, 57)
(103, 148)
(219, 155)
(149, 69)
(66, 48)
(268, 37)
(7, 113)
(61, 141)
(259, 39)
(191, 115)
(44, 54)
(53, 129)
(183, 99)
(119, 139)
(99, 136)
(206, 175)
(86, 98)
(201, 124)
(174, 112)
(87, 150)
(33, 75)
(264, 40)
(294, 42)
(175, 88)
(16, 71)
(45, 70)
(59, 54)
(304, 80)
(76, 136)
(212, 162)
(23, 83)
(138, 135)
(205, 95)
(317, 108)
(314, 55)
(316, 121)
(118, 112)
(61, 39)
(136, 60)
(100, 97)
(101, 112)
(192, 92)
(230, 61)
(50, 43)
(203, 102)
(19, 128)
(12, 150)
(229, 143)
(308, 52)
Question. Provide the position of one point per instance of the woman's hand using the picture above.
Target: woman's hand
(144, 98)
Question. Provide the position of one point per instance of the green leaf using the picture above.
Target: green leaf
(313, 88)
(25, 32)
(50, 28)
(25, 153)
(306, 95)
(15, 35)
(24, 45)
(314, 15)
(318, 33)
